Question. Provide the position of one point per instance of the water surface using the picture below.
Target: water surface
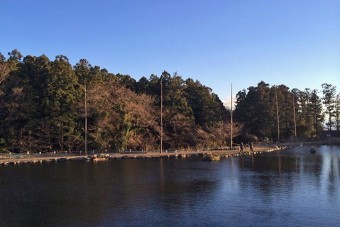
(286, 188)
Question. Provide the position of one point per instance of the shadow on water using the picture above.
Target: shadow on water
(83, 193)
(285, 187)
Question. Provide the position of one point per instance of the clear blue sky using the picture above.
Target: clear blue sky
(218, 42)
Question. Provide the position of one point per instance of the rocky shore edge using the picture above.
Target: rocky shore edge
(211, 155)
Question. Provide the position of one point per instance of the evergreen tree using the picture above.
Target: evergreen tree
(337, 112)
(329, 95)
(314, 108)
(60, 105)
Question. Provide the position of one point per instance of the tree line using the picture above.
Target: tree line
(44, 105)
(42, 108)
(278, 113)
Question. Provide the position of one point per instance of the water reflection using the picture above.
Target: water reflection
(309, 181)
(291, 187)
(322, 166)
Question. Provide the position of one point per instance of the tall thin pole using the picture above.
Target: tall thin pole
(161, 114)
(231, 116)
(85, 105)
(294, 120)
(337, 113)
(277, 117)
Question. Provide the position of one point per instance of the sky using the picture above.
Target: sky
(217, 42)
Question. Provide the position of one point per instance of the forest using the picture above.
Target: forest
(50, 105)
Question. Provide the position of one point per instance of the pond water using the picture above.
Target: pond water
(286, 188)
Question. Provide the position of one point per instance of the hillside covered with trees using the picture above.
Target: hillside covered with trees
(43, 104)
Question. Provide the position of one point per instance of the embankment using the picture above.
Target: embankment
(15, 159)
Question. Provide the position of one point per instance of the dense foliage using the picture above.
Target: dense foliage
(42, 108)
(277, 113)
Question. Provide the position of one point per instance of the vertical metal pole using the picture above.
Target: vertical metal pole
(277, 117)
(85, 104)
(231, 116)
(336, 113)
(161, 114)
(294, 120)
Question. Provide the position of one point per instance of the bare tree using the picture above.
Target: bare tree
(4, 71)
(123, 119)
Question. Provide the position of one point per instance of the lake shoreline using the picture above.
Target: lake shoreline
(15, 159)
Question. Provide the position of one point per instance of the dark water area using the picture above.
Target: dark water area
(287, 188)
